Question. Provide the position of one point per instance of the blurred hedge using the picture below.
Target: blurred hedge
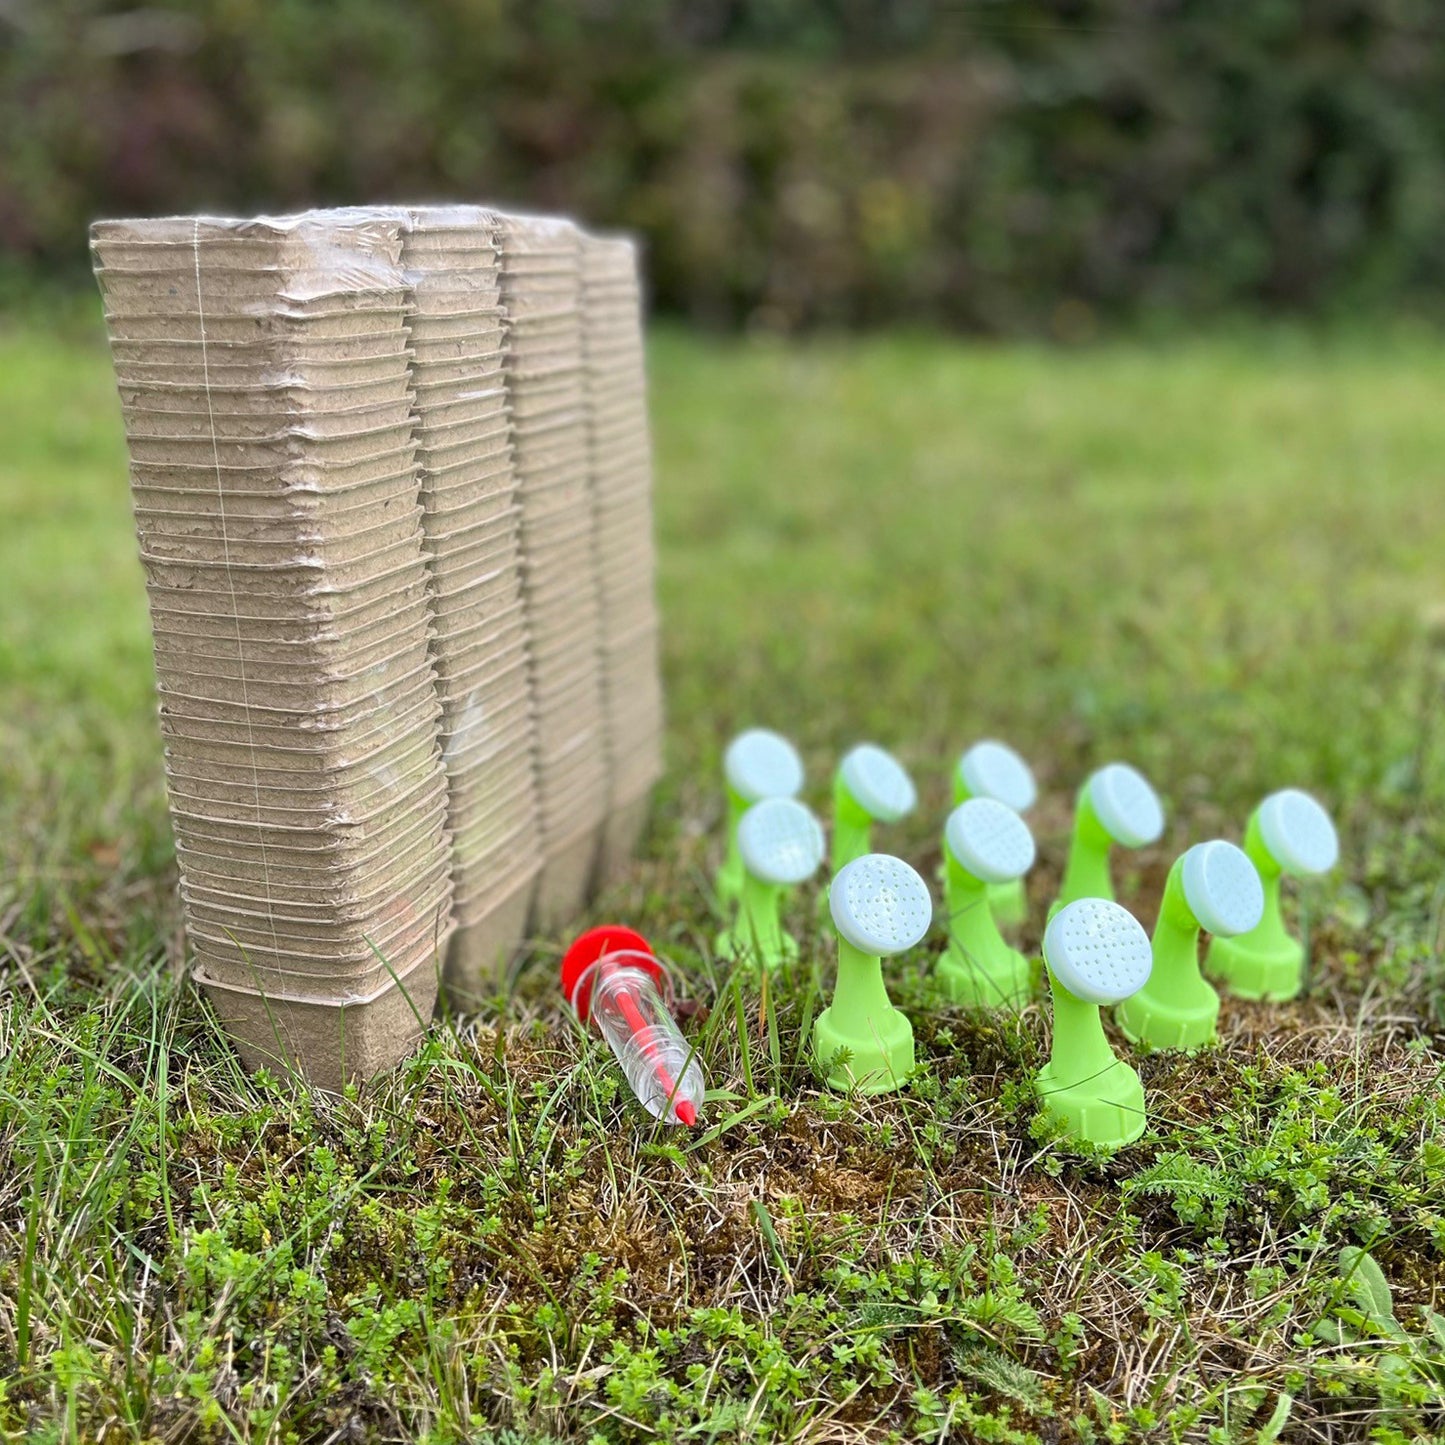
(1009, 167)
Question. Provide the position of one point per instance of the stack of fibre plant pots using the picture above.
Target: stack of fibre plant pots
(542, 294)
(267, 389)
(620, 464)
(471, 534)
(378, 463)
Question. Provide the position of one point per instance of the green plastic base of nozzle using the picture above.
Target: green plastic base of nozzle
(1008, 903)
(735, 946)
(1106, 1110)
(727, 886)
(1148, 1020)
(1257, 971)
(728, 883)
(880, 1062)
(965, 981)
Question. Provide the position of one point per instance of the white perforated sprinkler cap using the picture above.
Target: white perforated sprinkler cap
(878, 783)
(1213, 887)
(987, 846)
(991, 769)
(1290, 833)
(1222, 888)
(1298, 833)
(762, 764)
(1126, 806)
(781, 842)
(880, 905)
(989, 840)
(1098, 951)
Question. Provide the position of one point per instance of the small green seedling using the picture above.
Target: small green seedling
(781, 845)
(1096, 953)
(1214, 888)
(1116, 805)
(880, 907)
(985, 843)
(871, 785)
(758, 764)
(1289, 834)
(1362, 1325)
(993, 770)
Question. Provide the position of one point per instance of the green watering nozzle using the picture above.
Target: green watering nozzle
(870, 786)
(880, 907)
(1096, 953)
(1292, 834)
(758, 764)
(1213, 887)
(985, 844)
(993, 770)
(781, 845)
(1116, 805)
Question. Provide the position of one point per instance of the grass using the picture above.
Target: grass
(1218, 558)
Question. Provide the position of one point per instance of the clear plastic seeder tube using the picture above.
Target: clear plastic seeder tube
(634, 1019)
(625, 993)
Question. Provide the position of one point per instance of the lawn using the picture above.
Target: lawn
(1218, 558)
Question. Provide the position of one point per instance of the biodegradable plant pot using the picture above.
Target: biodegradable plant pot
(329, 1042)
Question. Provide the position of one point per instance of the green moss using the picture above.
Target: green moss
(1218, 559)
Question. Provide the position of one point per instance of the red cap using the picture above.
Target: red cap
(577, 962)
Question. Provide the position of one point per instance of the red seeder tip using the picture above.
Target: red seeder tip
(685, 1111)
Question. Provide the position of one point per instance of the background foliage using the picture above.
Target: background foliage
(1037, 165)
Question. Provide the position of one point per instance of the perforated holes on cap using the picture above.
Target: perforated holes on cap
(1298, 832)
(993, 770)
(763, 764)
(1126, 805)
(1222, 888)
(990, 840)
(1098, 951)
(780, 841)
(879, 782)
(880, 904)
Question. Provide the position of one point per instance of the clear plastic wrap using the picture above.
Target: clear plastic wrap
(367, 447)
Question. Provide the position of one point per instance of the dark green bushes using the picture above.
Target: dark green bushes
(1035, 165)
